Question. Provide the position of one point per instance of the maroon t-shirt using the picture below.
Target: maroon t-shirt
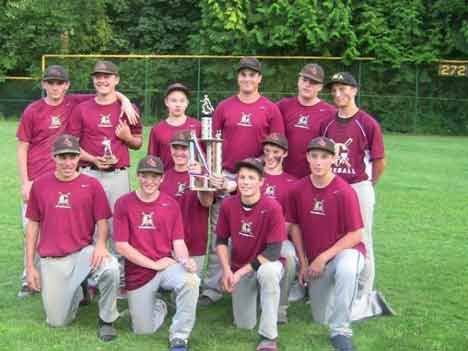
(161, 134)
(324, 215)
(302, 124)
(67, 212)
(359, 140)
(194, 215)
(149, 227)
(39, 126)
(244, 127)
(250, 231)
(93, 123)
(278, 187)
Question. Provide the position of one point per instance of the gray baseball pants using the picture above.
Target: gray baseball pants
(61, 290)
(141, 302)
(288, 252)
(245, 295)
(332, 295)
(366, 304)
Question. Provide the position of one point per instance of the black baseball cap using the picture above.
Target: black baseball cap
(313, 71)
(55, 72)
(250, 62)
(177, 87)
(344, 78)
(66, 144)
(252, 163)
(276, 139)
(323, 144)
(150, 164)
(181, 138)
(105, 67)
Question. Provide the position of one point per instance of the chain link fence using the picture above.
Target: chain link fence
(407, 99)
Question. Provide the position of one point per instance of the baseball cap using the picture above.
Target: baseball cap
(177, 87)
(66, 144)
(55, 72)
(105, 67)
(322, 143)
(345, 78)
(181, 138)
(252, 163)
(151, 164)
(313, 71)
(276, 139)
(250, 62)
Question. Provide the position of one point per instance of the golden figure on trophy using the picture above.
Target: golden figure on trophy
(211, 160)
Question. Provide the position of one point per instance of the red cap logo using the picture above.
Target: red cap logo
(67, 142)
(151, 162)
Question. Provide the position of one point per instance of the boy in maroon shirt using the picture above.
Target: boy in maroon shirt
(65, 206)
(149, 233)
(326, 227)
(277, 185)
(302, 115)
(360, 161)
(106, 136)
(176, 100)
(244, 120)
(254, 223)
(193, 204)
(41, 123)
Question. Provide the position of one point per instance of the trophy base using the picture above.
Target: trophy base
(199, 188)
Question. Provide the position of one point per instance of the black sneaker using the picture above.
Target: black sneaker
(25, 291)
(342, 343)
(178, 344)
(106, 331)
(386, 309)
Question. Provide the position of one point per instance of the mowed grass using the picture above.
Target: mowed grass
(421, 247)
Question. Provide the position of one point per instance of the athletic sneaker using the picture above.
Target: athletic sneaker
(178, 345)
(25, 291)
(297, 292)
(342, 343)
(159, 313)
(106, 331)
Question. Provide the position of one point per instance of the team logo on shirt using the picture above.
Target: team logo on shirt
(246, 120)
(318, 208)
(181, 189)
(302, 121)
(63, 200)
(105, 121)
(147, 221)
(270, 190)
(246, 229)
(55, 122)
(342, 164)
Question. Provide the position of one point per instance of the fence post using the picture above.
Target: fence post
(359, 82)
(146, 109)
(198, 88)
(416, 99)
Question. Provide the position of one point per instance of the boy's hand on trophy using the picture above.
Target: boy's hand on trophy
(218, 182)
(194, 167)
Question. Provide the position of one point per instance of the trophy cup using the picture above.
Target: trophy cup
(108, 155)
(211, 162)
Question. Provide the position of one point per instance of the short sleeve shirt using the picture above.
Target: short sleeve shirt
(39, 126)
(161, 134)
(250, 231)
(244, 127)
(67, 212)
(195, 216)
(359, 141)
(93, 123)
(302, 124)
(324, 215)
(150, 228)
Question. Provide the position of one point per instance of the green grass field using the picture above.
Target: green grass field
(421, 248)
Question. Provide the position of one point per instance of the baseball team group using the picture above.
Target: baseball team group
(290, 219)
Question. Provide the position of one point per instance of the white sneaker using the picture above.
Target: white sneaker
(159, 313)
(297, 292)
